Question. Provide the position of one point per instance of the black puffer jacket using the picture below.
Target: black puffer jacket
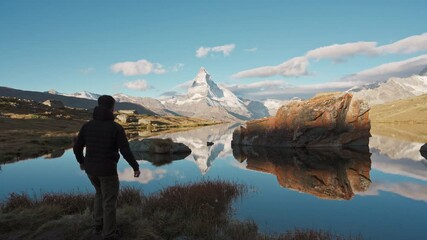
(103, 138)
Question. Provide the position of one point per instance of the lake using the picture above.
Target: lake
(379, 192)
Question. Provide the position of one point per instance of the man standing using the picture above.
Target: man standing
(103, 138)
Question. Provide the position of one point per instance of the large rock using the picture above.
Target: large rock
(53, 103)
(326, 173)
(159, 151)
(327, 120)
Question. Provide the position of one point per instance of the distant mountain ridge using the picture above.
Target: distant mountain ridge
(82, 94)
(68, 101)
(391, 89)
(209, 100)
(150, 103)
(204, 99)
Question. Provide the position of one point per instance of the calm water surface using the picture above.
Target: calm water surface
(380, 192)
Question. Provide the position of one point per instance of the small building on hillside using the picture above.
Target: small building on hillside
(53, 103)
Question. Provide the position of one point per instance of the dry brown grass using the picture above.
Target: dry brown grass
(402, 119)
(406, 111)
(189, 211)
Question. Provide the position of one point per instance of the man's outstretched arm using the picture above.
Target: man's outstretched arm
(79, 144)
(123, 144)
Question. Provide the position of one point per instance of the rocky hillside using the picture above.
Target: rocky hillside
(30, 129)
(74, 102)
(150, 103)
(391, 90)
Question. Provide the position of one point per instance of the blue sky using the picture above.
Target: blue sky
(249, 46)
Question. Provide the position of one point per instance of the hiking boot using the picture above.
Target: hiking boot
(97, 230)
(114, 236)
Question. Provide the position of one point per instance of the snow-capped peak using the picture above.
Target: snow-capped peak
(205, 96)
(203, 87)
(84, 94)
(53, 91)
(202, 77)
(391, 89)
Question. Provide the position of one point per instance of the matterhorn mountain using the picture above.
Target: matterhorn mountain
(392, 89)
(205, 99)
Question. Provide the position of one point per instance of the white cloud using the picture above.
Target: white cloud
(383, 72)
(146, 176)
(339, 52)
(140, 85)
(257, 86)
(169, 94)
(292, 68)
(184, 85)
(279, 89)
(87, 71)
(177, 67)
(224, 49)
(283, 91)
(202, 52)
(407, 45)
(140, 67)
(409, 190)
(158, 68)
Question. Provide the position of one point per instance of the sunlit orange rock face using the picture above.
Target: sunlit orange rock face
(327, 173)
(326, 120)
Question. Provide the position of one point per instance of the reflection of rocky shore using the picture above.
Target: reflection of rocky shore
(57, 153)
(325, 173)
(159, 151)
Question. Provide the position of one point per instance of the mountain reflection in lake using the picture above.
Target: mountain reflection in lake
(325, 173)
(196, 140)
(384, 189)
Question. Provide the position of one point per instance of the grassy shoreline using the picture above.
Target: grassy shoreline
(187, 211)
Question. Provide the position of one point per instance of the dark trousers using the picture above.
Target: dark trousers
(104, 213)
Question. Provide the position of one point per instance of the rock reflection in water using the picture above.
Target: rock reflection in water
(325, 173)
